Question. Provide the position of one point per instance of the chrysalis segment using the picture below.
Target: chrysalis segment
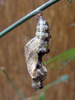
(34, 50)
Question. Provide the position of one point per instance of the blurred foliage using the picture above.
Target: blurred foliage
(8, 78)
(63, 78)
(57, 62)
(70, 1)
(73, 24)
(42, 96)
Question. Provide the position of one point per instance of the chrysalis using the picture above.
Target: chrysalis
(34, 50)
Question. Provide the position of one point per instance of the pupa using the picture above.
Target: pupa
(35, 50)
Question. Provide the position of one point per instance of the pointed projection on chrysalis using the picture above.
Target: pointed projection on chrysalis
(34, 51)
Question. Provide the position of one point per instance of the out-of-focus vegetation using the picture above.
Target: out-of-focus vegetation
(70, 1)
(61, 60)
(56, 62)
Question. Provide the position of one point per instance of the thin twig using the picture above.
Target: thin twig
(28, 16)
(8, 78)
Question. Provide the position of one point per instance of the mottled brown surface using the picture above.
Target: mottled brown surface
(59, 16)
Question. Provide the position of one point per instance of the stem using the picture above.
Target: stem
(28, 16)
(8, 78)
(63, 78)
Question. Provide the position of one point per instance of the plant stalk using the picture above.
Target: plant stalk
(28, 16)
(16, 89)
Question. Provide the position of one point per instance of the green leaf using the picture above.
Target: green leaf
(70, 1)
(61, 60)
(72, 58)
(42, 96)
(65, 54)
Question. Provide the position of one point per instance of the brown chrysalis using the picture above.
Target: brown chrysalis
(34, 51)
